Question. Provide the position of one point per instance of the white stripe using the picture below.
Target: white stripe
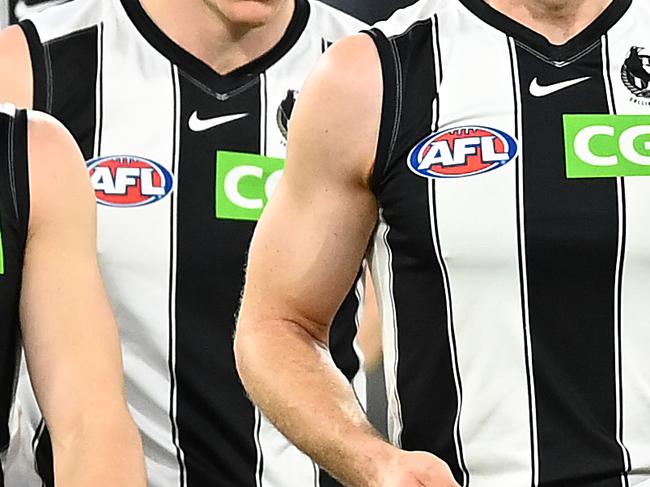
(478, 242)
(263, 113)
(134, 244)
(359, 380)
(382, 271)
(524, 269)
(437, 62)
(634, 319)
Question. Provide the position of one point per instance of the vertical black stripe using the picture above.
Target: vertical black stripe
(172, 275)
(571, 239)
(73, 98)
(44, 458)
(428, 399)
(619, 328)
(623, 230)
(522, 272)
(39, 77)
(14, 211)
(215, 418)
(388, 128)
(260, 459)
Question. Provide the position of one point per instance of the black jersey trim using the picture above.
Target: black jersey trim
(528, 37)
(39, 72)
(199, 70)
(390, 106)
(20, 174)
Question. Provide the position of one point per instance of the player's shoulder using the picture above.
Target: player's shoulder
(333, 23)
(69, 18)
(52, 148)
(58, 180)
(405, 19)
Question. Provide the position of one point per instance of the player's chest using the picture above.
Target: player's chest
(190, 170)
(545, 157)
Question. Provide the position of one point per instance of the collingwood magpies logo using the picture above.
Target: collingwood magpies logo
(284, 112)
(636, 72)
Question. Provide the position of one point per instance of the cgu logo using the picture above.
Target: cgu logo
(461, 152)
(245, 183)
(605, 146)
(129, 181)
(627, 145)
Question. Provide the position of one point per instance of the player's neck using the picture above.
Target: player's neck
(208, 35)
(557, 20)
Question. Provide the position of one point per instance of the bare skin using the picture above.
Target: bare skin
(70, 337)
(557, 20)
(304, 256)
(225, 34)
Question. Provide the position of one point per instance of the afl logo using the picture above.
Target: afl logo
(461, 152)
(129, 181)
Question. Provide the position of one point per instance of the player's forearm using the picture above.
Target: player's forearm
(292, 378)
(102, 452)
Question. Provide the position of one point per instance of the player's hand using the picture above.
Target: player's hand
(416, 469)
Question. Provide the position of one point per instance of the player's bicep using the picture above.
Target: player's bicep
(309, 244)
(70, 338)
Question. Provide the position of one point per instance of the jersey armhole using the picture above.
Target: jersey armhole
(39, 71)
(389, 125)
(20, 173)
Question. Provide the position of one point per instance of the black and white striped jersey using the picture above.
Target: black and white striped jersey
(183, 160)
(513, 251)
(14, 220)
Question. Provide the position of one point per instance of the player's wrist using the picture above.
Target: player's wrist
(378, 458)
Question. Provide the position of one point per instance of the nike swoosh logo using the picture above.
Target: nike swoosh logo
(198, 125)
(540, 91)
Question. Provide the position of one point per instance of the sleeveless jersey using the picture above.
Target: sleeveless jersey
(513, 250)
(183, 160)
(14, 220)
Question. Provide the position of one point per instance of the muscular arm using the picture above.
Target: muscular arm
(304, 258)
(70, 336)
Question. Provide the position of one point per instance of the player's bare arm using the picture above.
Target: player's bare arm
(304, 258)
(16, 81)
(70, 337)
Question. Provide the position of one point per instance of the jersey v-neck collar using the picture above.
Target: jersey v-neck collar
(537, 42)
(200, 71)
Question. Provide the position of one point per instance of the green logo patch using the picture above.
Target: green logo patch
(606, 146)
(245, 182)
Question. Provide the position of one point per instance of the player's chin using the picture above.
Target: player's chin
(250, 12)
